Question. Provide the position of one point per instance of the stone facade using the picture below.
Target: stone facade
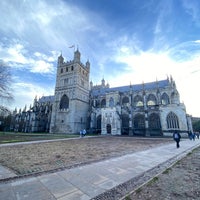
(70, 108)
(148, 109)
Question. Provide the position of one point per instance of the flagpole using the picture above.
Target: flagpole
(73, 46)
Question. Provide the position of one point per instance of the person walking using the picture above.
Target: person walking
(177, 138)
(81, 133)
(84, 132)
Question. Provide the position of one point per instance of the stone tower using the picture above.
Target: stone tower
(71, 104)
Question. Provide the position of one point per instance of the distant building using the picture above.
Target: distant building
(148, 109)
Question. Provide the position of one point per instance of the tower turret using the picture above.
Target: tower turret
(60, 60)
(103, 82)
(88, 64)
(77, 56)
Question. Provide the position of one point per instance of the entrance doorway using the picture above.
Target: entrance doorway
(108, 128)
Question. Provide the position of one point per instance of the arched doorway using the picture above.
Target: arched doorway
(139, 125)
(108, 129)
(99, 124)
(125, 124)
(154, 125)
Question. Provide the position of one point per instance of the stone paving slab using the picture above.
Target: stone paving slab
(88, 181)
(6, 173)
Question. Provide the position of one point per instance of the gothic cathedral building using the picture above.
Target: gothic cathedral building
(147, 109)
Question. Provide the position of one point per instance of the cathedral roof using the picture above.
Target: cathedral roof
(45, 99)
(138, 87)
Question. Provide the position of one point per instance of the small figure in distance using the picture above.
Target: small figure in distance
(177, 138)
(84, 132)
(81, 133)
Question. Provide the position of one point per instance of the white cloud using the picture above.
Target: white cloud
(14, 53)
(41, 66)
(26, 92)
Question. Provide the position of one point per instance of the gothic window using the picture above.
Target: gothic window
(164, 99)
(139, 121)
(172, 121)
(125, 100)
(61, 70)
(72, 68)
(65, 81)
(154, 121)
(103, 103)
(66, 69)
(111, 102)
(97, 103)
(64, 102)
(151, 100)
(138, 101)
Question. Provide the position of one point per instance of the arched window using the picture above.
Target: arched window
(98, 105)
(137, 101)
(164, 99)
(139, 121)
(103, 103)
(125, 100)
(172, 121)
(151, 100)
(64, 102)
(154, 121)
(111, 102)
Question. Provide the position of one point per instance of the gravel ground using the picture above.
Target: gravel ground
(181, 182)
(178, 181)
(41, 157)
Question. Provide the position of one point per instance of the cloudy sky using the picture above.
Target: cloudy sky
(129, 41)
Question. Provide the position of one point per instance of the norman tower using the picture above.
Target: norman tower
(71, 104)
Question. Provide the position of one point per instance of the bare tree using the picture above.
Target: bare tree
(5, 86)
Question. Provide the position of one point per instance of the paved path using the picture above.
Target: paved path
(91, 180)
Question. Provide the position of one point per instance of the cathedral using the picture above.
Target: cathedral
(147, 109)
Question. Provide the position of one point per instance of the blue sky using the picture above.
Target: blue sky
(125, 41)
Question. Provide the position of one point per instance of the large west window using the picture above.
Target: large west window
(64, 102)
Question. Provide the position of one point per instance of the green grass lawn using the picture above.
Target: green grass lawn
(11, 137)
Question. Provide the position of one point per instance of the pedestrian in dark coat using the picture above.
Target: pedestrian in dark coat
(177, 138)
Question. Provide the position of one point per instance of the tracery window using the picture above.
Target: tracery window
(151, 100)
(66, 80)
(125, 100)
(172, 121)
(154, 121)
(138, 101)
(139, 121)
(164, 99)
(103, 103)
(64, 102)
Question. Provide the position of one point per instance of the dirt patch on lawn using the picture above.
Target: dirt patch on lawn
(33, 158)
(181, 181)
